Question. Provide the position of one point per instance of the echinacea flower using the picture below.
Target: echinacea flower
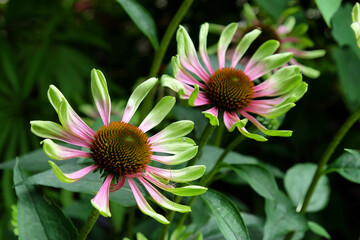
(290, 35)
(356, 22)
(121, 151)
(226, 88)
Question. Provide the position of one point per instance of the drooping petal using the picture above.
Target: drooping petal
(190, 190)
(254, 136)
(174, 130)
(159, 112)
(176, 158)
(224, 41)
(173, 146)
(118, 185)
(137, 97)
(51, 130)
(212, 115)
(162, 200)
(101, 199)
(101, 95)
(231, 121)
(243, 45)
(56, 151)
(204, 29)
(179, 175)
(71, 177)
(144, 205)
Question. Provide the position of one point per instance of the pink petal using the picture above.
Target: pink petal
(101, 199)
(118, 185)
(255, 71)
(201, 99)
(155, 194)
(81, 173)
(184, 77)
(230, 118)
(252, 119)
(213, 111)
(194, 66)
(282, 30)
(206, 60)
(290, 39)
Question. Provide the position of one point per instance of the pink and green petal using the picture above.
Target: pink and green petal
(73, 123)
(266, 49)
(249, 15)
(356, 22)
(58, 152)
(144, 205)
(174, 130)
(243, 46)
(137, 97)
(193, 96)
(118, 185)
(173, 84)
(190, 190)
(179, 175)
(224, 41)
(212, 115)
(188, 56)
(203, 47)
(307, 71)
(177, 158)
(101, 199)
(71, 177)
(101, 95)
(159, 112)
(231, 121)
(254, 136)
(162, 200)
(51, 130)
(173, 146)
(307, 54)
(55, 97)
(272, 112)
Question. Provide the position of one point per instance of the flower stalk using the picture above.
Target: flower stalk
(85, 230)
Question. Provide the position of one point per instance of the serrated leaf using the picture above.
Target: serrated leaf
(142, 19)
(46, 219)
(227, 215)
(297, 181)
(281, 218)
(328, 9)
(260, 179)
(348, 165)
(89, 184)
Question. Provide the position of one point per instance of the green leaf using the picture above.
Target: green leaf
(281, 218)
(319, 230)
(46, 219)
(274, 8)
(259, 178)
(297, 181)
(341, 29)
(348, 69)
(89, 184)
(142, 19)
(348, 165)
(227, 215)
(328, 9)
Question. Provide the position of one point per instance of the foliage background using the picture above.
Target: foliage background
(59, 42)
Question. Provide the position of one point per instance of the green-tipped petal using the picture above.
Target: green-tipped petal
(309, 72)
(159, 112)
(356, 22)
(193, 95)
(249, 14)
(174, 130)
(180, 175)
(279, 110)
(239, 124)
(101, 95)
(173, 84)
(60, 175)
(173, 146)
(47, 129)
(177, 158)
(55, 97)
(254, 136)
(274, 61)
(312, 54)
(186, 47)
(214, 121)
(276, 133)
(187, 191)
(137, 97)
(224, 41)
(266, 49)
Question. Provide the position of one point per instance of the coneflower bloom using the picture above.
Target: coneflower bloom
(229, 88)
(356, 22)
(121, 151)
(291, 37)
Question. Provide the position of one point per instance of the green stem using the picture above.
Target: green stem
(205, 136)
(323, 161)
(160, 52)
(89, 224)
(207, 180)
(219, 135)
(131, 222)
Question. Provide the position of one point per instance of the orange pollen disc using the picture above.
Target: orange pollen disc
(230, 89)
(121, 149)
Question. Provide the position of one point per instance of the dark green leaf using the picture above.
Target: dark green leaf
(38, 217)
(348, 69)
(348, 165)
(274, 8)
(328, 9)
(297, 181)
(319, 230)
(341, 30)
(281, 218)
(89, 184)
(142, 18)
(260, 179)
(227, 215)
